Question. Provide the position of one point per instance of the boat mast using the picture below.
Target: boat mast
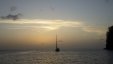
(57, 49)
(56, 41)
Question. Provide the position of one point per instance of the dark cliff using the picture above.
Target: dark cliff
(109, 38)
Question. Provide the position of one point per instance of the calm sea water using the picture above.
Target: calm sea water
(66, 57)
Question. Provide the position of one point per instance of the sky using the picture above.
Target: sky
(77, 23)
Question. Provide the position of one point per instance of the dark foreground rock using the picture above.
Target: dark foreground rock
(109, 39)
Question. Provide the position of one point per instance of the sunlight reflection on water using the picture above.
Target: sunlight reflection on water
(76, 57)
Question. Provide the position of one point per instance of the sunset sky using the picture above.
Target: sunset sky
(78, 24)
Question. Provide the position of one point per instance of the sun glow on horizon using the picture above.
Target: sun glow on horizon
(37, 31)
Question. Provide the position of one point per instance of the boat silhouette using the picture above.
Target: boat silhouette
(57, 49)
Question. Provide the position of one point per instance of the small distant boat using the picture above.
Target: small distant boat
(57, 49)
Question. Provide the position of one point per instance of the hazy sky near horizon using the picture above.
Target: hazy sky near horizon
(78, 23)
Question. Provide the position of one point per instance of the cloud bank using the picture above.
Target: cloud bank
(47, 25)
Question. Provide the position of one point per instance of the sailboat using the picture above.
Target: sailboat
(57, 49)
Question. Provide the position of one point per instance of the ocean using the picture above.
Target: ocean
(51, 57)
